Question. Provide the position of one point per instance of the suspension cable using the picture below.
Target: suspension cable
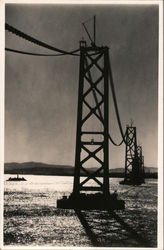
(115, 101)
(62, 52)
(114, 143)
(35, 54)
(35, 41)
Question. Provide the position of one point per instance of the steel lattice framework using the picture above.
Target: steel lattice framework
(93, 86)
(130, 152)
(134, 161)
(141, 162)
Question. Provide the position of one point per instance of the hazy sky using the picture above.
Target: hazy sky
(41, 92)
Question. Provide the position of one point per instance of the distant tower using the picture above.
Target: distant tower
(141, 164)
(134, 169)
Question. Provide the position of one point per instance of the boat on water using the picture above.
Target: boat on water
(17, 178)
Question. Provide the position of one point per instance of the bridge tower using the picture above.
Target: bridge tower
(141, 164)
(91, 175)
(92, 142)
(134, 165)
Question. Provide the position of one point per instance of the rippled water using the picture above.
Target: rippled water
(31, 216)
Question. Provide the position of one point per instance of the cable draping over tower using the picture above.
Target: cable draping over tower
(72, 53)
(37, 42)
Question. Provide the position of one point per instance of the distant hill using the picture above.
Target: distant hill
(38, 168)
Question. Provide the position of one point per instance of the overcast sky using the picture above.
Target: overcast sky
(41, 92)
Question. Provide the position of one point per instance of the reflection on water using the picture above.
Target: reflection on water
(31, 216)
(37, 183)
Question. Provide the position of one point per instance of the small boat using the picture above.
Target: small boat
(16, 178)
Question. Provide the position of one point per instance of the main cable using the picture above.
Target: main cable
(35, 41)
(62, 52)
(34, 54)
(114, 143)
(115, 101)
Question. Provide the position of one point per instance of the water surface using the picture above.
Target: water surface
(31, 217)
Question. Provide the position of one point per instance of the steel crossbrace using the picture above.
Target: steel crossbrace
(87, 104)
(93, 111)
(93, 85)
(92, 154)
(91, 176)
(90, 80)
(94, 62)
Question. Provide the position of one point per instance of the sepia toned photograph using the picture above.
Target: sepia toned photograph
(82, 122)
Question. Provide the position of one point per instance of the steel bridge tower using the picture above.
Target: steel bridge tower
(92, 107)
(141, 164)
(134, 161)
(91, 175)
